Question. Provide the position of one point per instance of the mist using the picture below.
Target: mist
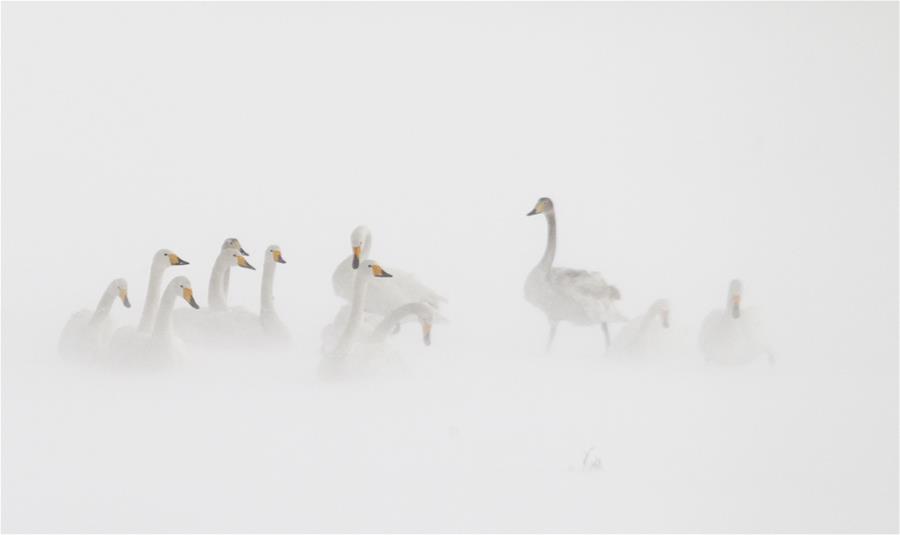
(684, 145)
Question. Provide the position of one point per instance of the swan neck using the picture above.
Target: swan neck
(163, 325)
(105, 304)
(550, 251)
(266, 303)
(151, 302)
(356, 311)
(216, 293)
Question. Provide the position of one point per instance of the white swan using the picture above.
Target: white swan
(137, 347)
(563, 294)
(87, 332)
(227, 259)
(268, 317)
(384, 298)
(230, 243)
(162, 260)
(351, 322)
(733, 335)
(644, 334)
(216, 325)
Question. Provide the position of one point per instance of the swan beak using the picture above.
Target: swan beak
(538, 208)
(356, 252)
(379, 272)
(665, 319)
(176, 260)
(244, 264)
(736, 307)
(123, 295)
(426, 333)
(243, 252)
(278, 258)
(188, 295)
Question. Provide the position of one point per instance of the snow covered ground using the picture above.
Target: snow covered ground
(684, 145)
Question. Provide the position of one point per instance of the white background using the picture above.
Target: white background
(683, 145)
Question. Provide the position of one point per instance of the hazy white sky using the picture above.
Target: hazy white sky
(683, 144)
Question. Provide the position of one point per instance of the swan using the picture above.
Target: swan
(384, 298)
(644, 334)
(216, 323)
(338, 350)
(563, 294)
(87, 332)
(162, 260)
(228, 257)
(353, 319)
(230, 243)
(268, 317)
(733, 335)
(139, 346)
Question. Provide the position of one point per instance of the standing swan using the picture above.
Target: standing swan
(162, 260)
(564, 294)
(733, 335)
(87, 332)
(384, 298)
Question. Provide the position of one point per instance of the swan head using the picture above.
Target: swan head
(661, 307)
(183, 284)
(543, 206)
(358, 238)
(122, 288)
(165, 258)
(234, 243)
(239, 260)
(735, 289)
(274, 252)
(375, 269)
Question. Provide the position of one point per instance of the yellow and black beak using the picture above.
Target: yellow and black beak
(243, 263)
(278, 258)
(188, 295)
(356, 253)
(243, 252)
(379, 272)
(426, 333)
(123, 295)
(175, 260)
(538, 209)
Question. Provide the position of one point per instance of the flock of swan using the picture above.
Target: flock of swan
(378, 302)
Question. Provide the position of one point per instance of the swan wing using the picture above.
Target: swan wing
(413, 290)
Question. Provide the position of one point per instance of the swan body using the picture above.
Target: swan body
(645, 334)
(573, 295)
(161, 345)
(87, 332)
(734, 335)
(384, 298)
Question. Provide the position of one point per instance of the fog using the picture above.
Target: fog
(684, 145)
